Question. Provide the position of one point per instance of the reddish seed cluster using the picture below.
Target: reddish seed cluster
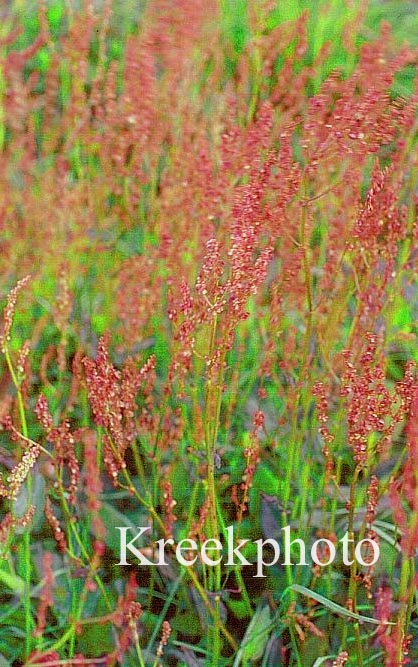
(383, 607)
(372, 499)
(17, 476)
(249, 199)
(22, 362)
(341, 659)
(43, 414)
(103, 383)
(172, 429)
(76, 380)
(47, 599)
(165, 636)
(9, 312)
(126, 616)
(259, 419)
(6, 526)
(51, 658)
(64, 300)
(198, 527)
(396, 647)
(371, 407)
(62, 313)
(26, 519)
(402, 491)
(125, 601)
(209, 281)
(138, 297)
(248, 275)
(252, 458)
(133, 613)
(112, 396)
(148, 420)
(322, 410)
(93, 485)
(366, 577)
(303, 623)
(169, 504)
(9, 522)
(64, 446)
(55, 525)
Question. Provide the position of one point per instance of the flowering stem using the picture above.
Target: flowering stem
(405, 602)
(70, 523)
(305, 354)
(352, 587)
(27, 566)
(212, 416)
(132, 489)
(210, 608)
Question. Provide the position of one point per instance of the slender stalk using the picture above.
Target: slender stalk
(352, 587)
(27, 564)
(294, 443)
(406, 592)
(212, 417)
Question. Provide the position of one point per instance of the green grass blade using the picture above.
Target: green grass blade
(12, 581)
(334, 607)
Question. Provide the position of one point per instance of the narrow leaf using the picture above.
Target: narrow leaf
(320, 661)
(12, 581)
(335, 608)
(256, 637)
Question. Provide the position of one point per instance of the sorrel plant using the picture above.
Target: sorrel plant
(209, 252)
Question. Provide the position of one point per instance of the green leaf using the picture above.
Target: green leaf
(335, 608)
(100, 323)
(321, 660)
(388, 538)
(266, 480)
(256, 637)
(111, 518)
(54, 14)
(187, 623)
(401, 314)
(238, 608)
(12, 581)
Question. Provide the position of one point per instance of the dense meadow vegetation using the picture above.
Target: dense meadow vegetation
(209, 257)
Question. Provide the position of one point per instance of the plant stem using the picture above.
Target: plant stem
(212, 417)
(27, 565)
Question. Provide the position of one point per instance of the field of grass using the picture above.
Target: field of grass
(209, 256)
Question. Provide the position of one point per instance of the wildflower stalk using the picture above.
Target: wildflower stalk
(72, 531)
(141, 475)
(221, 627)
(237, 568)
(130, 487)
(138, 649)
(302, 396)
(20, 403)
(406, 597)
(27, 565)
(352, 587)
(294, 448)
(212, 416)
